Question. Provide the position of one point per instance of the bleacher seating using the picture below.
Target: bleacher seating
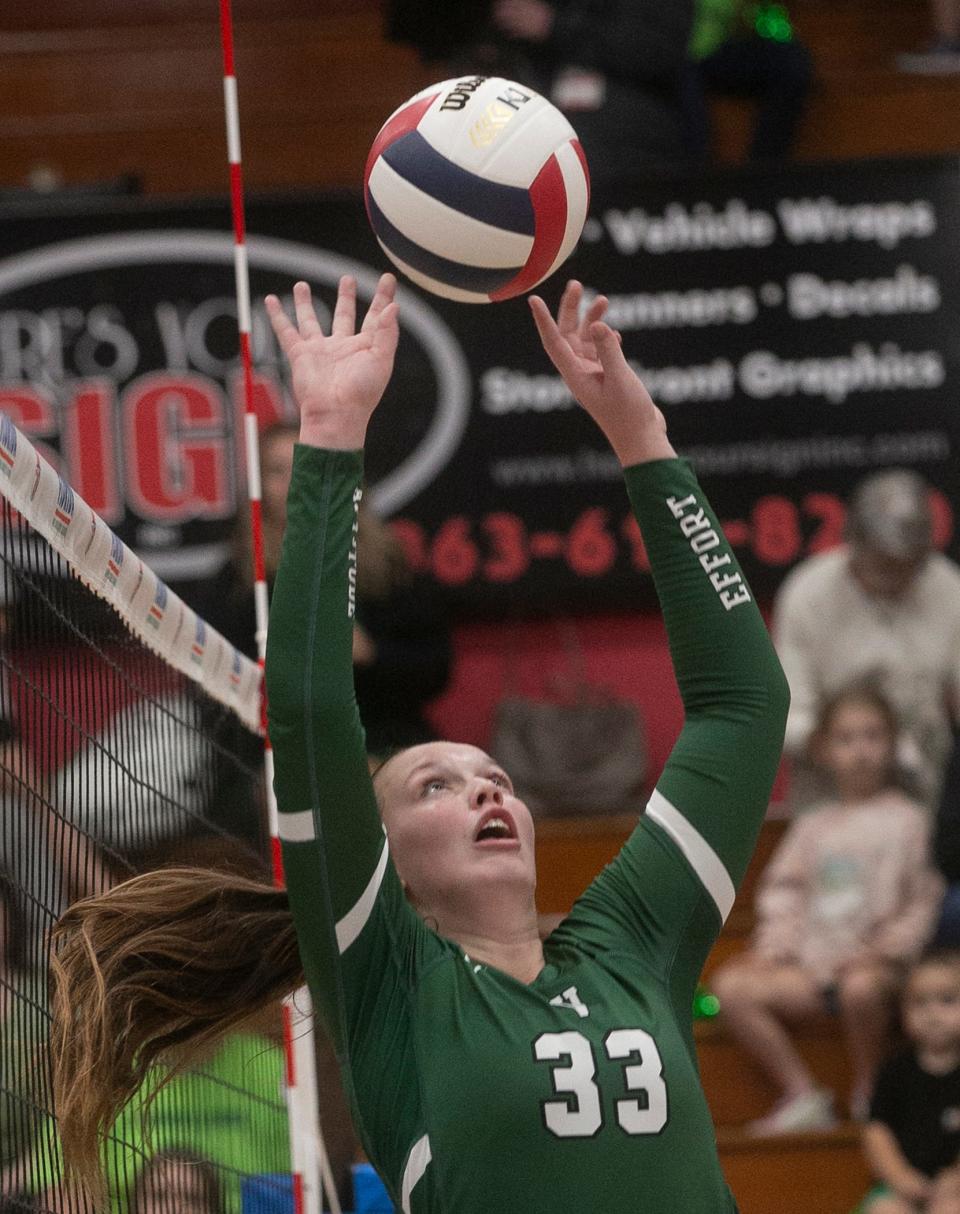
(101, 89)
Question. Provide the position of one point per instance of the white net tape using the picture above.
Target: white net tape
(100, 559)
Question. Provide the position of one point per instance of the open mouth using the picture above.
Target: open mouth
(496, 826)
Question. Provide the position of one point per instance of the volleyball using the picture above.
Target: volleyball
(477, 189)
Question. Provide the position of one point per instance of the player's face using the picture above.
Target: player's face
(454, 824)
(858, 749)
(931, 1007)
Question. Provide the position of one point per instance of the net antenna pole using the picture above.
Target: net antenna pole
(309, 1159)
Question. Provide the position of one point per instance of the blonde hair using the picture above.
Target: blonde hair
(159, 968)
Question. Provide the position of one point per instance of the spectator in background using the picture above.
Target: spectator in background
(744, 49)
(401, 642)
(178, 1181)
(884, 608)
(942, 55)
(847, 901)
(912, 1140)
(613, 66)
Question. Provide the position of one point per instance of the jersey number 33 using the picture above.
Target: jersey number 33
(574, 1073)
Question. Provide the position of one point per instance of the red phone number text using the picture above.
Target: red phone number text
(500, 547)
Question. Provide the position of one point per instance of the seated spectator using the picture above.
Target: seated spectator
(742, 49)
(884, 608)
(401, 648)
(912, 1139)
(942, 54)
(613, 66)
(847, 902)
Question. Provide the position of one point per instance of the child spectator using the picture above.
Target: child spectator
(845, 905)
(912, 1139)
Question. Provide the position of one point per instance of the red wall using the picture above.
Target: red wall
(626, 653)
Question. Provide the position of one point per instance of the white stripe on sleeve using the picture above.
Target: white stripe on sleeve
(297, 828)
(700, 855)
(417, 1162)
(351, 925)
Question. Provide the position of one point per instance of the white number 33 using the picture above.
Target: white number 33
(580, 1113)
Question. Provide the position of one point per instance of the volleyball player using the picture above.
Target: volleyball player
(488, 1071)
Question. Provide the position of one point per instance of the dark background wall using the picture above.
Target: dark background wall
(97, 89)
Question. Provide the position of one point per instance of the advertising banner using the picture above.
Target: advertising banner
(799, 326)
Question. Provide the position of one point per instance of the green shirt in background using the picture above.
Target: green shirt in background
(229, 1111)
(714, 23)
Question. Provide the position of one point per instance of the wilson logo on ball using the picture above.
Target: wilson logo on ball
(477, 189)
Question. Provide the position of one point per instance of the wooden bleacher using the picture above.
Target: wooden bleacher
(98, 89)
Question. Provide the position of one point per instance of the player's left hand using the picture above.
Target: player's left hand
(338, 378)
(587, 353)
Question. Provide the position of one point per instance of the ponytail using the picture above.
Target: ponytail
(156, 970)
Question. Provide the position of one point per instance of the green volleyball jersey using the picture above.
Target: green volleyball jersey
(472, 1091)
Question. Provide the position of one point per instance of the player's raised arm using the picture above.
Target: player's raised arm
(713, 793)
(335, 852)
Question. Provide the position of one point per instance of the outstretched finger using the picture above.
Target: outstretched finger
(610, 351)
(345, 312)
(568, 313)
(303, 306)
(557, 348)
(583, 341)
(387, 334)
(283, 326)
(384, 295)
(596, 311)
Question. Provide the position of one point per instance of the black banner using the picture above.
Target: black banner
(799, 327)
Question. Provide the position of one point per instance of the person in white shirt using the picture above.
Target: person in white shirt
(884, 608)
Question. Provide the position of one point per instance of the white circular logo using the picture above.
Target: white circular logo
(453, 386)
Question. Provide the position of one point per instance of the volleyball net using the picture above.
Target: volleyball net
(129, 740)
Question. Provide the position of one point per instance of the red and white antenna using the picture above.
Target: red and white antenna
(308, 1156)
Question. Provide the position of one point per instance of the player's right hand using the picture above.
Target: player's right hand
(338, 378)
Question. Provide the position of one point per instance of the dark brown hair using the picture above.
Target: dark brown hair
(150, 1182)
(157, 969)
(869, 696)
(856, 693)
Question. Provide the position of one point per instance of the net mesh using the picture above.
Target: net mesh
(113, 762)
